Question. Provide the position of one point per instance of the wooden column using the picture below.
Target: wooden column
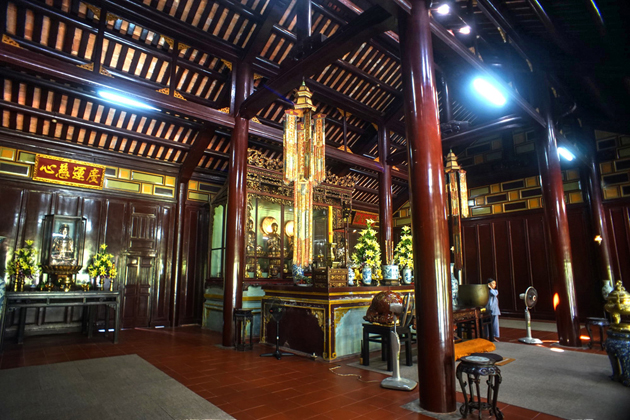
(235, 225)
(182, 190)
(598, 216)
(558, 229)
(436, 367)
(385, 214)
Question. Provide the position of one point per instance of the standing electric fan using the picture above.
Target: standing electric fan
(405, 312)
(276, 310)
(530, 297)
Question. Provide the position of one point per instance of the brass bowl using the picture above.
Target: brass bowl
(473, 295)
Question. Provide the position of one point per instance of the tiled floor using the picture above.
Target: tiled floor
(242, 383)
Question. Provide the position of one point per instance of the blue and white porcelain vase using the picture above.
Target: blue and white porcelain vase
(390, 272)
(407, 277)
(350, 276)
(298, 273)
(366, 275)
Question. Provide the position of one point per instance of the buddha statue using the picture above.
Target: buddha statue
(273, 243)
(63, 247)
(251, 237)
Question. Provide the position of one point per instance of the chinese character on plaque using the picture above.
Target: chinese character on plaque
(68, 172)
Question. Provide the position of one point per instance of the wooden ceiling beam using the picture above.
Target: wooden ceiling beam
(261, 34)
(369, 190)
(51, 145)
(174, 28)
(119, 132)
(331, 97)
(368, 77)
(191, 161)
(34, 62)
(443, 35)
(364, 27)
(62, 71)
(86, 95)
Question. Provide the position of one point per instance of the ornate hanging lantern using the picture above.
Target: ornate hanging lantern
(458, 204)
(305, 166)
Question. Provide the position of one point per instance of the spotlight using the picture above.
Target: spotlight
(565, 153)
(124, 100)
(444, 9)
(489, 91)
(465, 30)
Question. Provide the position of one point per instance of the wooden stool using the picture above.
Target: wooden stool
(242, 319)
(380, 334)
(474, 367)
(598, 322)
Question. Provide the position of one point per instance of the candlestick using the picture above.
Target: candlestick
(330, 224)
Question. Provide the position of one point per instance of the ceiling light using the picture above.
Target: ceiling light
(565, 153)
(489, 92)
(124, 100)
(465, 30)
(444, 9)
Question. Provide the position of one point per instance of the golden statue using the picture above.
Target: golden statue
(251, 237)
(63, 247)
(273, 243)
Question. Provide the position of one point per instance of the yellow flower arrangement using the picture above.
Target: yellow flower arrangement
(367, 250)
(403, 253)
(103, 265)
(23, 262)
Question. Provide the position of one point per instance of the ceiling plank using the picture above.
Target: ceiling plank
(67, 72)
(331, 97)
(70, 73)
(365, 26)
(104, 128)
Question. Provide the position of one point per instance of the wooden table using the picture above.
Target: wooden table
(90, 300)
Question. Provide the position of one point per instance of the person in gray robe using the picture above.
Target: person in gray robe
(493, 308)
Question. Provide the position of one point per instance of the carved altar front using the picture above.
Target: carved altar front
(319, 321)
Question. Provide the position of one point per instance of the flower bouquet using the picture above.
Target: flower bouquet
(367, 252)
(103, 267)
(23, 266)
(403, 254)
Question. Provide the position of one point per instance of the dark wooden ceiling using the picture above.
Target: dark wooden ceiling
(180, 57)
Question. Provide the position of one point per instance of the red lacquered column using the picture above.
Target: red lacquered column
(385, 215)
(236, 208)
(428, 208)
(598, 215)
(558, 236)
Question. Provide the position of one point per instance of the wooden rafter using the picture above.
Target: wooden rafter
(364, 27)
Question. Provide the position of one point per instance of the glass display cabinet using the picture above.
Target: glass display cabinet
(62, 249)
(269, 239)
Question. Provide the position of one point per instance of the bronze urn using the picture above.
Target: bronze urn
(473, 295)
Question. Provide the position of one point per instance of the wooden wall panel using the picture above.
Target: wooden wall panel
(513, 249)
(194, 272)
(161, 304)
(130, 227)
(486, 252)
(618, 214)
(587, 286)
(34, 208)
(471, 254)
(502, 247)
(539, 266)
(10, 209)
(66, 205)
